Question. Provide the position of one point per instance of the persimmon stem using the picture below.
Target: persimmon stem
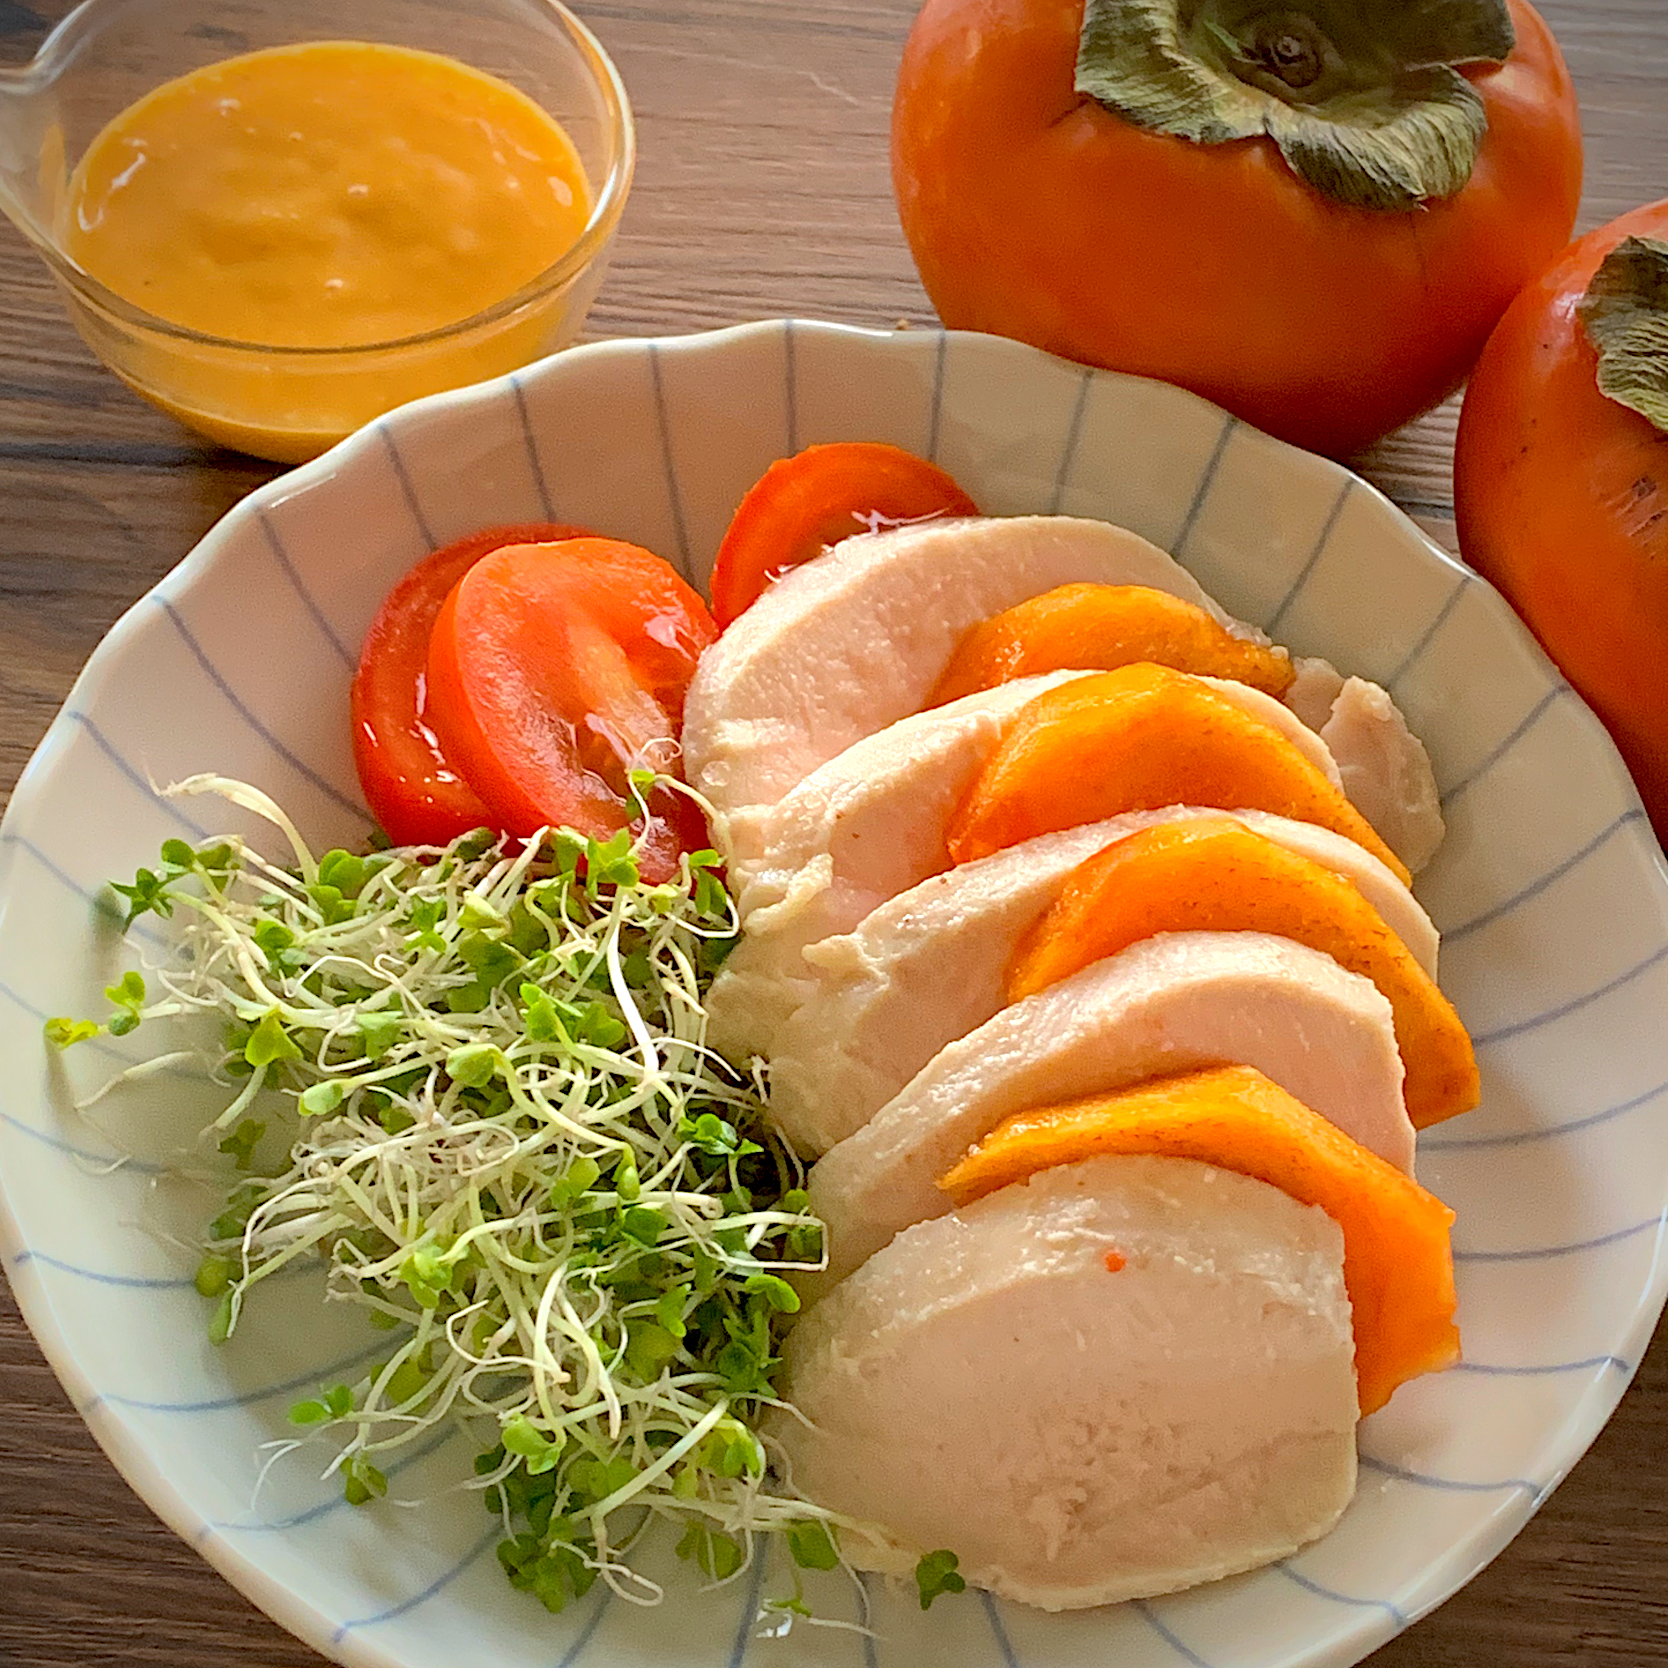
(1364, 98)
(1625, 315)
(1293, 55)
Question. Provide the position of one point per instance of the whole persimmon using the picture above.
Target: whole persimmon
(1561, 479)
(1312, 212)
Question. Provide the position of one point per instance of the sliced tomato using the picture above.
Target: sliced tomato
(802, 504)
(415, 792)
(556, 670)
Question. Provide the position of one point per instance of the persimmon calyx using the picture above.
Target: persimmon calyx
(1625, 315)
(1363, 97)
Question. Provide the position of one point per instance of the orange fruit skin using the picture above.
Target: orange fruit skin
(1035, 212)
(1100, 628)
(1561, 496)
(1219, 876)
(1398, 1260)
(1138, 739)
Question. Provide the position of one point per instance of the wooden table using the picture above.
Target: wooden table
(762, 190)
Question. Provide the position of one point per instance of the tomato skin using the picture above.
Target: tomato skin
(1561, 497)
(415, 792)
(818, 497)
(554, 669)
(1038, 214)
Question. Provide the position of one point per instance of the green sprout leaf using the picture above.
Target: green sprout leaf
(536, 1451)
(232, 1221)
(479, 916)
(719, 1555)
(363, 1482)
(669, 1310)
(610, 863)
(430, 1273)
(649, 1349)
(734, 1451)
(214, 1275)
(937, 1574)
(812, 1545)
(594, 1480)
(343, 872)
(319, 1100)
(127, 996)
(581, 1176)
(218, 860)
(378, 1032)
(406, 1383)
(626, 1181)
(148, 895)
(334, 1403)
(424, 920)
(275, 941)
(270, 1043)
(475, 1065)
(240, 1145)
(644, 1224)
(65, 1033)
(714, 1136)
(775, 1291)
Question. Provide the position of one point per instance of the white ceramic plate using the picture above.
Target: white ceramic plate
(1550, 891)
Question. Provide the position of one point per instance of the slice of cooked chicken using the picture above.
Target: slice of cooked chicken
(866, 826)
(857, 831)
(1384, 768)
(1386, 771)
(1169, 1004)
(1120, 1378)
(847, 644)
(1314, 689)
(928, 966)
(868, 818)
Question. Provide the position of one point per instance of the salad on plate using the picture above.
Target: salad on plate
(926, 1063)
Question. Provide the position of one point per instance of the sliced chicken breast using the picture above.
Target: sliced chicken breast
(868, 818)
(862, 828)
(1383, 766)
(1386, 771)
(1120, 1378)
(929, 965)
(857, 831)
(845, 645)
(1316, 686)
(1167, 1005)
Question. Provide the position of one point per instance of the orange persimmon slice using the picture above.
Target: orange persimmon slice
(1398, 1262)
(1139, 739)
(1092, 628)
(1217, 875)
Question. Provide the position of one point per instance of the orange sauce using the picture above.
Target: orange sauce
(336, 194)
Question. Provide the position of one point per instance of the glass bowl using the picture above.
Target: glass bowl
(286, 403)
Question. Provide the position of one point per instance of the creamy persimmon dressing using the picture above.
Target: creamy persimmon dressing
(327, 195)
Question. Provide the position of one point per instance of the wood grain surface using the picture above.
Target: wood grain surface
(762, 190)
